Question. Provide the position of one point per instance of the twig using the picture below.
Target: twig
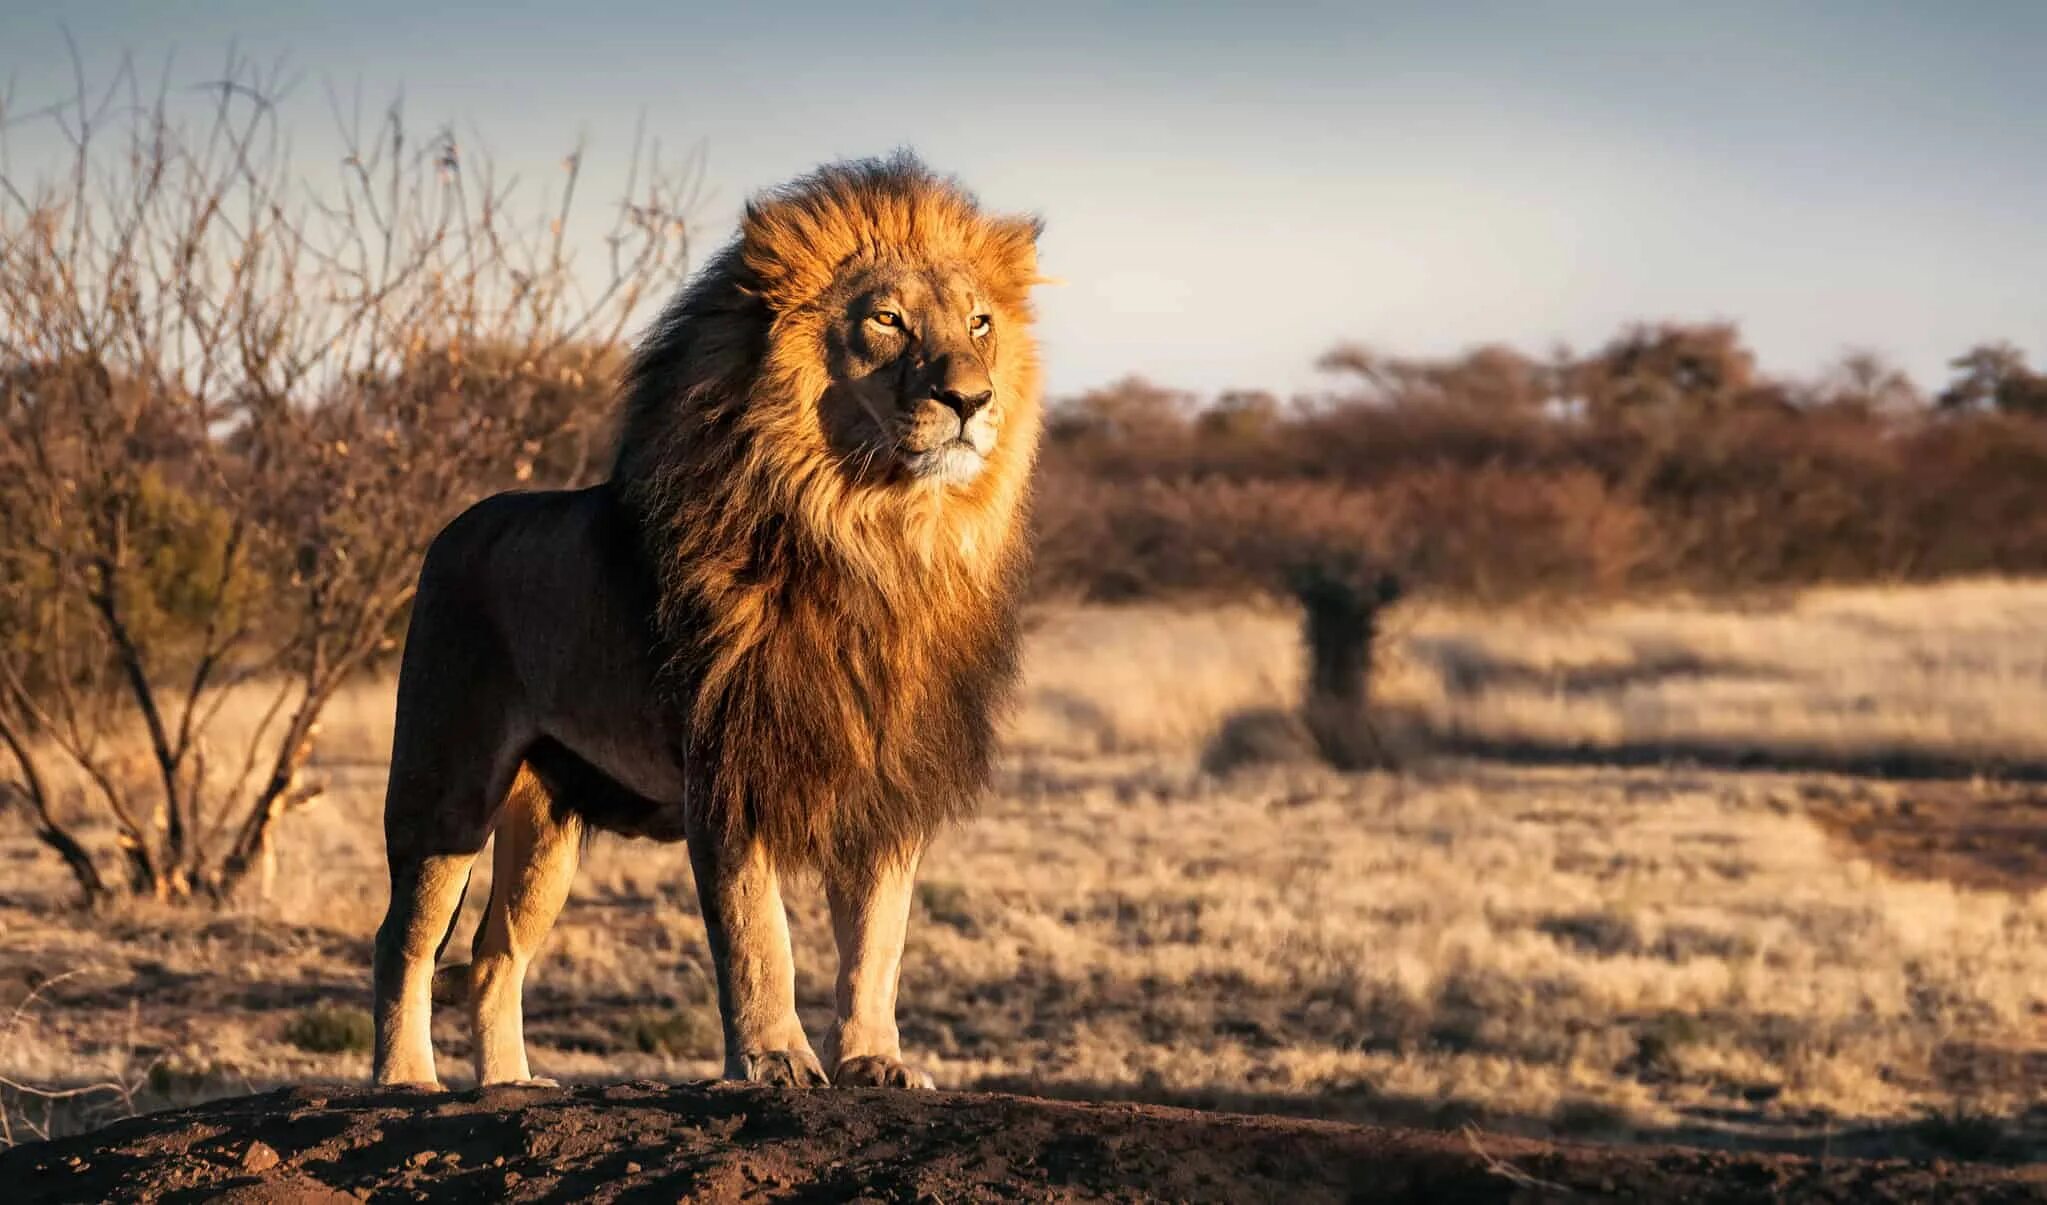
(1494, 1165)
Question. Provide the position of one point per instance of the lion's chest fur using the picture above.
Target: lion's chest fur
(837, 637)
(834, 717)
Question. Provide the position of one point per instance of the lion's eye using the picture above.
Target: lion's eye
(980, 325)
(886, 318)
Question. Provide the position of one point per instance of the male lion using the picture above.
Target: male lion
(777, 632)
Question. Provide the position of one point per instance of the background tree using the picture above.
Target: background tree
(1673, 368)
(1865, 382)
(1994, 376)
(1241, 416)
(1491, 377)
(1128, 412)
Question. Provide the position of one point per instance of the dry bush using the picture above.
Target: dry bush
(1969, 499)
(1492, 533)
(235, 401)
(1662, 462)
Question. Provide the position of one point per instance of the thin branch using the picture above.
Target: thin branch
(49, 829)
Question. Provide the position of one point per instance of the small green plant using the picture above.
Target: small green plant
(325, 1029)
(1584, 1116)
(947, 904)
(680, 1033)
(1662, 1039)
(182, 1077)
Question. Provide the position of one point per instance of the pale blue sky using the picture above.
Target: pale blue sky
(1229, 189)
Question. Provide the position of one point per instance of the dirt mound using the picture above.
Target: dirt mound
(718, 1142)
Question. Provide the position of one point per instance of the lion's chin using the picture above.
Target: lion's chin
(954, 462)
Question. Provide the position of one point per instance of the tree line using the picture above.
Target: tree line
(1664, 460)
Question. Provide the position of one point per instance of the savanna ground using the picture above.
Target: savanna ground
(1638, 876)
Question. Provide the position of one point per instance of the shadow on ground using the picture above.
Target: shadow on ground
(2010, 1141)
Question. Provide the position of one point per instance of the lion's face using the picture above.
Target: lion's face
(913, 353)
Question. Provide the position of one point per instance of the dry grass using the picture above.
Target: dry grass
(1572, 950)
(1953, 671)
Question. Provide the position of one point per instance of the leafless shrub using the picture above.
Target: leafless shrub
(235, 400)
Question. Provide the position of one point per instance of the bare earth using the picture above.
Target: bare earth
(648, 1141)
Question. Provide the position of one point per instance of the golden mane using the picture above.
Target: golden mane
(838, 639)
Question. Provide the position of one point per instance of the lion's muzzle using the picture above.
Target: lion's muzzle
(951, 436)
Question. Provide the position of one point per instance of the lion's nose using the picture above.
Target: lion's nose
(963, 403)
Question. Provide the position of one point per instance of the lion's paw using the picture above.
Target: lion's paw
(523, 1083)
(789, 1068)
(879, 1071)
(421, 1086)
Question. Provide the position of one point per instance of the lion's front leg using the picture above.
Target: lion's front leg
(748, 929)
(870, 919)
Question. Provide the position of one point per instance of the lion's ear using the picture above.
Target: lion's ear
(1012, 249)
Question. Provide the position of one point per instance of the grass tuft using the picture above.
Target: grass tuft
(335, 1029)
(688, 1033)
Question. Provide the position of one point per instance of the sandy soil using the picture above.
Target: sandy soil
(650, 1141)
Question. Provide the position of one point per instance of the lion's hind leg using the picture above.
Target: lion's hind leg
(425, 895)
(445, 789)
(533, 865)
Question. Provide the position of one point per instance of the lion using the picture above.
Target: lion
(779, 632)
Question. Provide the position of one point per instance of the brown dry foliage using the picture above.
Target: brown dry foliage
(1662, 462)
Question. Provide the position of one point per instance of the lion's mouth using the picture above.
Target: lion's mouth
(954, 462)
